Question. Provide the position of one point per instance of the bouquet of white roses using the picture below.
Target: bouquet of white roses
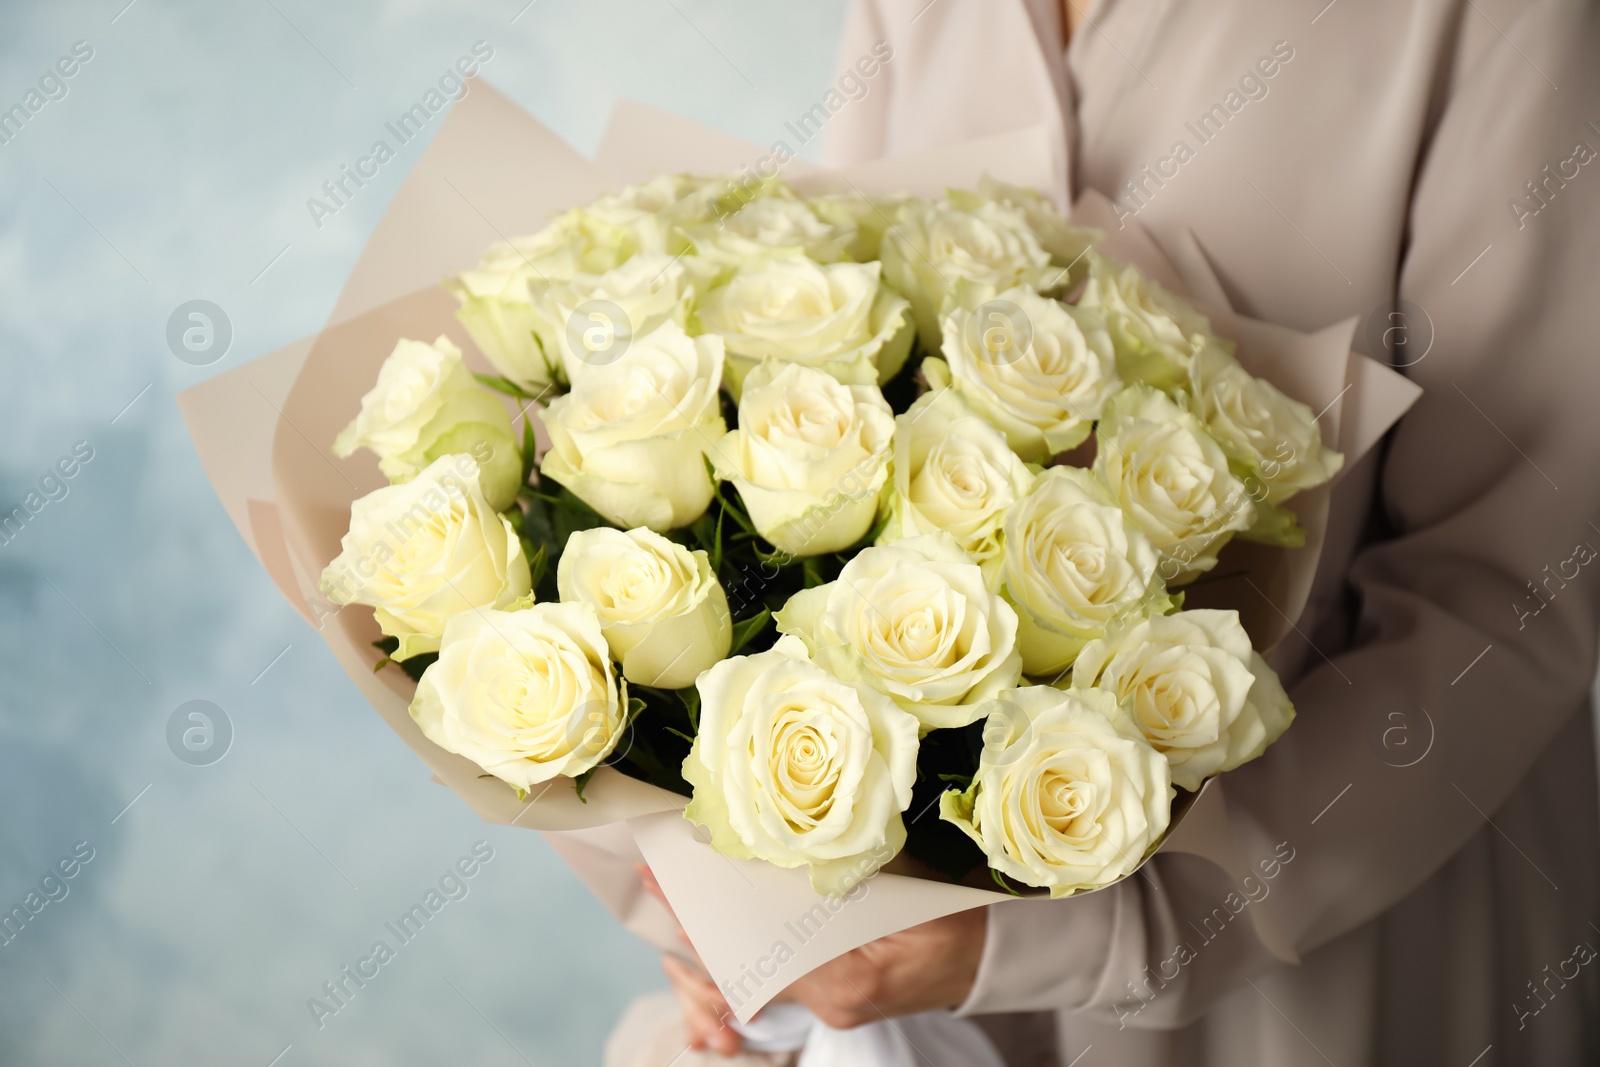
(851, 507)
(875, 527)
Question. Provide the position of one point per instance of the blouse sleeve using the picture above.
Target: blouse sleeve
(1478, 604)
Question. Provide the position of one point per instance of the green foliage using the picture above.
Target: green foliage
(413, 667)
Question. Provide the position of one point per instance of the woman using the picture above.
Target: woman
(1429, 167)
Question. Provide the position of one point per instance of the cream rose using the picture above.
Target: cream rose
(651, 217)
(496, 307)
(952, 472)
(773, 225)
(590, 320)
(1073, 565)
(1068, 795)
(793, 766)
(527, 695)
(1193, 686)
(1155, 332)
(1172, 479)
(1067, 244)
(836, 318)
(630, 438)
(1039, 370)
(426, 405)
(660, 606)
(810, 457)
(1277, 439)
(870, 217)
(933, 244)
(423, 551)
(915, 620)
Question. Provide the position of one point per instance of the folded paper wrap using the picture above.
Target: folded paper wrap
(264, 430)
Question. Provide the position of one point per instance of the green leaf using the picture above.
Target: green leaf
(1000, 880)
(691, 704)
(530, 448)
(538, 561)
(679, 733)
(744, 632)
(963, 780)
(509, 387)
(582, 780)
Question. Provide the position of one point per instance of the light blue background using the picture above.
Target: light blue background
(181, 161)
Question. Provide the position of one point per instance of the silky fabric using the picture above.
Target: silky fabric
(1426, 167)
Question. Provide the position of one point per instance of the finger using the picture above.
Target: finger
(705, 1010)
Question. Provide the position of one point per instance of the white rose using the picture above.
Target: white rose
(915, 620)
(870, 217)
(1193, 686)
(660, 606)
(1073, 565)
(1172, 479)
(933, 244)
(423, 551)
(773, 225)
(1038, 369)
(1275, 437)
(793, 766)
(496, 307)
(426, 405)
(810, 457)
(651, 217)
(590, 320)
(834, 317)
(527, 695)
(1066, 243)
(1155, 332)
(1068, 795)
(952, 472)
(631, 437)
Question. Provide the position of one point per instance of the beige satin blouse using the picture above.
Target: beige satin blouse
(1431, 818)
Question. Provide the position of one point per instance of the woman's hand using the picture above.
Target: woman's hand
(928, 966)
(918, 969)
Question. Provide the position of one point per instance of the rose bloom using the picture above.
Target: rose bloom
(793, 766)
(836, 318)
(1275, 437)
(776, 224)
(1193, 686)
(1039, 370)
(1172, 480)
(495, 303)
(809, 458)
(952, 472)
(1155, 332)
(426, 404)
(630, 438)
(1073, 565)
(660, 606)
(1068, 795)
(423, 551)
(932, 244)
(591, 319)
(527, 695)
(915, 620)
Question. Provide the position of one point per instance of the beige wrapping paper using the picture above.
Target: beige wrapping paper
(264, 430)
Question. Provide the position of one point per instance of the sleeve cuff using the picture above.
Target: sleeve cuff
(1044, 955)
